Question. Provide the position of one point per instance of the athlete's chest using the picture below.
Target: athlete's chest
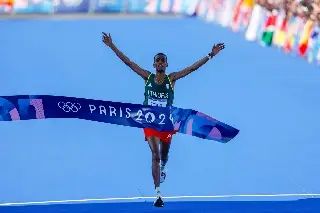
(158, 91)
(157, 94)
(157, 87)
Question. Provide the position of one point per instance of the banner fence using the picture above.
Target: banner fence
(295, 35)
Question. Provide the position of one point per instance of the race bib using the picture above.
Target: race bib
(157, 102)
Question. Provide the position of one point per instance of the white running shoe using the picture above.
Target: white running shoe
(163, 174)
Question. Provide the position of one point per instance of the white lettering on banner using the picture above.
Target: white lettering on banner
(112, 111)
(128, 112)
(162, 117)
(103, 110)
(92, 107)
(171, 118)
(139, 115)
(149, 114)
(118, 112)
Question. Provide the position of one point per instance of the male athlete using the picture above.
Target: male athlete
(159, 92)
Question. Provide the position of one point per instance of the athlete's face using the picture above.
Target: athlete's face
(160, 63)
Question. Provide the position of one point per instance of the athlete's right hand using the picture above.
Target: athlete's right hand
(106, 39)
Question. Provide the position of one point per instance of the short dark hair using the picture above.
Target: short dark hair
(159, 54)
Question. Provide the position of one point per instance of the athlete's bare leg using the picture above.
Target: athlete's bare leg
(158, 152)
(155, 150)
(164, 150)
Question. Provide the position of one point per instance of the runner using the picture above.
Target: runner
(159, 91)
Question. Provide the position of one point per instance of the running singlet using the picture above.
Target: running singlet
(158, 95)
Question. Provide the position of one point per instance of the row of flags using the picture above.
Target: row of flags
(6, 5)
(298, 36)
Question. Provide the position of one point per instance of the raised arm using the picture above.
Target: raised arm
(186, 71)
(107, 40)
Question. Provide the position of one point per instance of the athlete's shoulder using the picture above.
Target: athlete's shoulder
(149, 77)
(171, 76)
(171, 81)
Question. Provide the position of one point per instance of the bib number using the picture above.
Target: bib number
(157, 102)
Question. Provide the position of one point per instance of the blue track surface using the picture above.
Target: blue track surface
(271, 97)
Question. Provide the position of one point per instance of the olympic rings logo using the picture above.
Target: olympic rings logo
(69, 107)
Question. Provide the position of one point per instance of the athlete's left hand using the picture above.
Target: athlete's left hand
(216, 49)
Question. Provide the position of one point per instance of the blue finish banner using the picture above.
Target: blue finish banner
(168, 119)
(71, 6)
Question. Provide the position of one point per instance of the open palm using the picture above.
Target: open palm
(217, 48)
(106, 39)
